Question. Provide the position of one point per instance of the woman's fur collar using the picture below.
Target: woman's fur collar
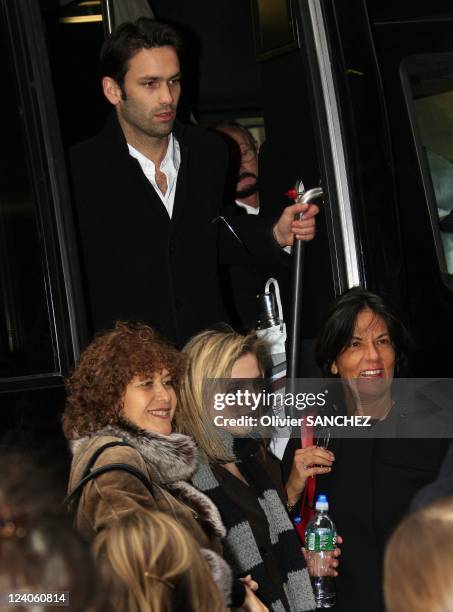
(171, 458)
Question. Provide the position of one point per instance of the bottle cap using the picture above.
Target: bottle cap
(322, 503)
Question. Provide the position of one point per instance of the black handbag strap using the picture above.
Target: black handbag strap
(91, 475)
(98, 452)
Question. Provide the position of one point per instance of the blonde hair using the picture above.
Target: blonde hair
(151, 564)
(211, 355)
(418, 563)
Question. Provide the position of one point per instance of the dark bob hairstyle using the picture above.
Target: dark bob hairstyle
(96, 389)
(338, 329)
(131, 37)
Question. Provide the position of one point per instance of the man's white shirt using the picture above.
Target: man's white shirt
(250, 210)
(169, 166)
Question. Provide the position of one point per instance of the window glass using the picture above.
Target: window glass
(25, 336)
(74, 36)
(431, 88)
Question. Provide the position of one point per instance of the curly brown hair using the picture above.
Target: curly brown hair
(96, 389)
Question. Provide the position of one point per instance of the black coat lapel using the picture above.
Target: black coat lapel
(182, 184)
(151, 194)
(129, 169)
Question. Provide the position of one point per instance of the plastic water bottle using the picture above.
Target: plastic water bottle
(320, 541)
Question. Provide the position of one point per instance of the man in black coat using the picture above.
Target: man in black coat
(242, 283)
(148, 191)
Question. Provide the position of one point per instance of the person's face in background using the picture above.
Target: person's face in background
(246, 376)
(368, 360)
(247, 182)
(146, 103)
(150, 403)
(246, 367)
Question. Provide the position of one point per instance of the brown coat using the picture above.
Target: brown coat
(168, 462)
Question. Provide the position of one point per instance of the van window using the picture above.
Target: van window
(26, 345)
(428, 85)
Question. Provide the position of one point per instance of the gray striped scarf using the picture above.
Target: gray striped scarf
(240, 547)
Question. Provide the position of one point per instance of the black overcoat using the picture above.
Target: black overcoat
(370, 489)
(242, 283)
(141, 265)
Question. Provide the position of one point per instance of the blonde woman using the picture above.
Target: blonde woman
(151, 564)
(241, 477)
(418, 564)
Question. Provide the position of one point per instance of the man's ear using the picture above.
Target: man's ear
(112, 91)
(333, 368)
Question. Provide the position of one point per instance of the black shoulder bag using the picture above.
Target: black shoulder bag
(91, 475)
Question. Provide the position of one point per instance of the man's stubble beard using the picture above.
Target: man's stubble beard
(146, 127)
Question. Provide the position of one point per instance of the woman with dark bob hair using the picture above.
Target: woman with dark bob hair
(120, 406)
(364, 344)
(340, 323)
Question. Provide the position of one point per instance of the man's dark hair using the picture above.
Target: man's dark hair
(129, 38)
(338, 329)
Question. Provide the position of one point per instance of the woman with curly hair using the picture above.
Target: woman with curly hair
(118, 418)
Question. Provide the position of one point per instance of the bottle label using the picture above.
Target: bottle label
(320, 540)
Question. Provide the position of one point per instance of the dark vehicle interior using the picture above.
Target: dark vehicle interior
(372, 125)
